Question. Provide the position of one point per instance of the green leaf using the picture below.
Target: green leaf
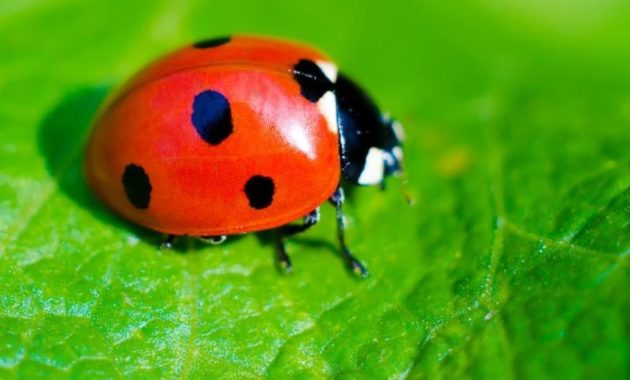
(513, 262)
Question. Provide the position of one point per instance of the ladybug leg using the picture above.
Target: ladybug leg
(382, 185)
(168, 243)
(284, 232)
(353, 263)
(214, 240)
(284, 262)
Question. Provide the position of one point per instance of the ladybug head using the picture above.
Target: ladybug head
(370, 142)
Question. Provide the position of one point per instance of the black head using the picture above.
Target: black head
(370, 142)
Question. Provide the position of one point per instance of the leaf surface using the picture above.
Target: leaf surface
(513, 262)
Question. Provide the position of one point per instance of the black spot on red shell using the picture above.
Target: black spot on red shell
(312, 80)
(212, 117)
(137, 186)
(212, 42)
(259, 191)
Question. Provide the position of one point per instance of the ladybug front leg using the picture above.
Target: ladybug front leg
(288, 230)
(355, 265)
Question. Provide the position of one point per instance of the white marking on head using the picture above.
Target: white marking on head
(390, 158)
(374, 168)
(327, 105)
(329, 69)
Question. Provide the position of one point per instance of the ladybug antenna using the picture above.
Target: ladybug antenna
(404, 188)
(394, 166)
(394, 137)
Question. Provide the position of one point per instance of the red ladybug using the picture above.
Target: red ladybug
(238, 134)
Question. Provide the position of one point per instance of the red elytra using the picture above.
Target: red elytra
(235, 135)
(197, 188)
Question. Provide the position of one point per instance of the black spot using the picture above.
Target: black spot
(313, 82)
(259, 191)
(137, 186)
(212, 117)
(212, 42)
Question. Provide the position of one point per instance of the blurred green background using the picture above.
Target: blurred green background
(513, 263)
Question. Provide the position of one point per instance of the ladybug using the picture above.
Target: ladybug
(239, 134)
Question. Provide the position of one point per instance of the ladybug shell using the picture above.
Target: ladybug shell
(216, 140)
